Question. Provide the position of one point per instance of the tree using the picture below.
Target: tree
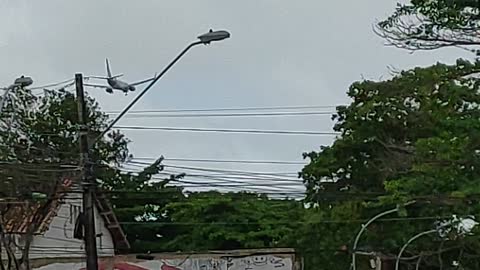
(216, 221)
(140, 197)
(411, 138)
(36, 153)
(428, 25)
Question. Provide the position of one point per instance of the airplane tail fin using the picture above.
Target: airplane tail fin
(109, 73)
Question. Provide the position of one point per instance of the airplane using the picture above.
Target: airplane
(114, 83)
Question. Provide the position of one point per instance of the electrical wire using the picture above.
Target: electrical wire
(325, 221)
(230, 171)
(252, 131)
(274, 114)
(235, 177)
(53, 84)
(231, 109)
(266, 175)
(245, 184)
(222, 161)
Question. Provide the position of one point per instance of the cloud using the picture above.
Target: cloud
(280, 53)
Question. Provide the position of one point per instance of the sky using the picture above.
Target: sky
(281, 53)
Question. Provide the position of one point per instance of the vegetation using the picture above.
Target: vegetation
(409, 139)
(429, 25)
(409, 143)
(36, 155)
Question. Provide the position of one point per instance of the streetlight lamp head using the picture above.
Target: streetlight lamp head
(23, 81)
(214, 36)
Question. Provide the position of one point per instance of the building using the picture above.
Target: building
(55, 247)
(55, 220)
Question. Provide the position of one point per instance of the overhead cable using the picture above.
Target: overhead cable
(231, 109)
(252, 131)
(137, 116)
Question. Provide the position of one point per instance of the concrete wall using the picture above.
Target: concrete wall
(228, 260)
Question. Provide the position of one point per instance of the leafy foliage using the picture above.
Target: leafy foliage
(412, 137)
(214, 221)
(38, 148)
(427, 25)
(139, 198)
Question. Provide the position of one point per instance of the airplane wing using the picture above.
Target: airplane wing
(144, 81)
(97, 85)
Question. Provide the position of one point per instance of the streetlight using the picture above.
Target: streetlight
(89, 227)
(364, 227)
(213, 36)
(20, 82)
(397, 261)
(206, 39)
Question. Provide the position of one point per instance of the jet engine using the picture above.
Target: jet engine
(109, 90)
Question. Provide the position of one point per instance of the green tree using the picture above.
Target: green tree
(411, 138)
(137, 197)
(428, 25)
(39, 146)
(214, 221)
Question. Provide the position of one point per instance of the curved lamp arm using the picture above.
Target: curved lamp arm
(364, 227)
(397, 261)
(362, 230)
(139, 96)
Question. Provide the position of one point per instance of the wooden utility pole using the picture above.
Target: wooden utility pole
(88, 180)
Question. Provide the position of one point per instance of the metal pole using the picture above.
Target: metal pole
(364, 227)
(146, 89)
(397, 262)
(88, 181)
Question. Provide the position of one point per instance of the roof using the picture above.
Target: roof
(20, 215)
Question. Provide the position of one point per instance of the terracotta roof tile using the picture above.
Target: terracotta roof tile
(19, 216)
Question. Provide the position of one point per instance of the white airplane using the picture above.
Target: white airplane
(114, 83)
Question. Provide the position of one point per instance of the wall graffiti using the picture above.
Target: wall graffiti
(205, 262)
(261, 262)
(194, 264)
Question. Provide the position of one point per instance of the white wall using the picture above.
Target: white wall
(58, 240)
(208, 262)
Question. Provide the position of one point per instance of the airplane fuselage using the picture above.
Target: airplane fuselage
(117, 84)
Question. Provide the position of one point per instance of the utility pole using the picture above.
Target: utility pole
(88, 180)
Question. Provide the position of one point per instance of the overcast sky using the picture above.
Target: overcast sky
(281, 53)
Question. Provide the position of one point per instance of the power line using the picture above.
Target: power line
(326, 221)
(231, 109)
(237, 177)
(240, 182)
(270, 175)
(224, 161)
(244, 186)
(252, 131)
(136, 116)
(228, 171)
(66, 83)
